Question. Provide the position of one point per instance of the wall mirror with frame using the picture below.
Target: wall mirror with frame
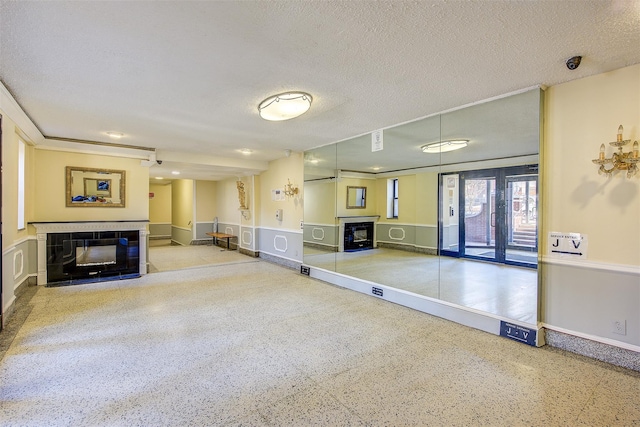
(356, 197)
(458, 226)
(90, 187)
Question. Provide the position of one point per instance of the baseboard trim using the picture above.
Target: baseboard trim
(608, 353)
(249, 252)
(285, 262)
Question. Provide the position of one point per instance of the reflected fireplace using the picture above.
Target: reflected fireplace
(358, 236)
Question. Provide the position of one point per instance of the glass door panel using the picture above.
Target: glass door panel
(480, 217)
(522, 217)
(449, 214)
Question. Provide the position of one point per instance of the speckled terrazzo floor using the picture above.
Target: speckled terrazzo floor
(256, 344)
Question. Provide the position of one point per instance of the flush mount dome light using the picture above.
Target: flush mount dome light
(285, 106)
(444, 146)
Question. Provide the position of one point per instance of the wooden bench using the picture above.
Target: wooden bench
(221, 236)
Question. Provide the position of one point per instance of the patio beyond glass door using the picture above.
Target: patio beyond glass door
(480, 217)
(522, 219)
(498, 215)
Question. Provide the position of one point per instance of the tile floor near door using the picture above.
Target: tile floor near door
(250, 343)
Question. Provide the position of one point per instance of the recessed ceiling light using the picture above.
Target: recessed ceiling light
(376, 168)
(175, 173)
(314, 161)
(159, 177)
(444, 146)
(245, 151)
(284, 106)
(115, 135)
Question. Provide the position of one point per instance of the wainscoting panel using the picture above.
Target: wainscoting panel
(409, 237)
(278, 243)
(585, 298)
(321, 234)
(181, 235)
(247, 239)
(159, 229)
(202, 228)
(427, 236)
(19, 262)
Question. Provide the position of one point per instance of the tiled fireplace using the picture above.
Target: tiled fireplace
(357, 233)
(81, 252)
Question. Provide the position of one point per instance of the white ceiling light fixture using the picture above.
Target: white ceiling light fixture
(444, 146)
(285, 106)
(245, 151)
(115, 135)
(175, 173)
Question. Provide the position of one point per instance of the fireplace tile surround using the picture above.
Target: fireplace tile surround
(344, 223)
(77, 252)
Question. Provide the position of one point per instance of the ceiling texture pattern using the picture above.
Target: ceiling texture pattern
(185, 78)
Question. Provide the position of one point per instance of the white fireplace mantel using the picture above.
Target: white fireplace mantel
(44, 228)
(351, 219)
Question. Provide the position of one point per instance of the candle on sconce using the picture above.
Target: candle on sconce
(619, 133)
(601, 156)
(635, 150)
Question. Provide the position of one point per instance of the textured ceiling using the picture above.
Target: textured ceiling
(186, 77)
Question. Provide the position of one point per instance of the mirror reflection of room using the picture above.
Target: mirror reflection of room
(356, 197)
(457, 224)
(94, 187)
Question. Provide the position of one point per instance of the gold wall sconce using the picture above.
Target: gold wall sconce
(619, 161)
(290, 189)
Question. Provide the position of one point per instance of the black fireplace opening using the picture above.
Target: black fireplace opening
(83, 257)
(358, 236)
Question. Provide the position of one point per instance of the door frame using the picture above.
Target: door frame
(501, 243)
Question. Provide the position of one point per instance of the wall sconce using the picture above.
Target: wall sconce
(619, 161)
(290, 189)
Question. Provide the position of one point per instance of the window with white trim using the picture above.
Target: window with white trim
(392, 198)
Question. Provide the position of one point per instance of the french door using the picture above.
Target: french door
(491, 215)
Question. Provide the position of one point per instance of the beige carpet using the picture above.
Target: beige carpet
(255, 344)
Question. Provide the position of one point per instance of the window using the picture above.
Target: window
(21, 175)
(392, 198)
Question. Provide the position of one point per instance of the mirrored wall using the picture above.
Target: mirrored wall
(447, 210)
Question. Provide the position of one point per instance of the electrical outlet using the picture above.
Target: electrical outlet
(619, 327)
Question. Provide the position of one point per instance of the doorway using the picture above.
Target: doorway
(490, 215)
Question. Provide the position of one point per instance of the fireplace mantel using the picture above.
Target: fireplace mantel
(351, 219)
(44, 228)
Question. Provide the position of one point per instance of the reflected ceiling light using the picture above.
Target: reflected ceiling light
(376, 168)
(115, 135)
(175, 173)
(444, 146)
(284, 106)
